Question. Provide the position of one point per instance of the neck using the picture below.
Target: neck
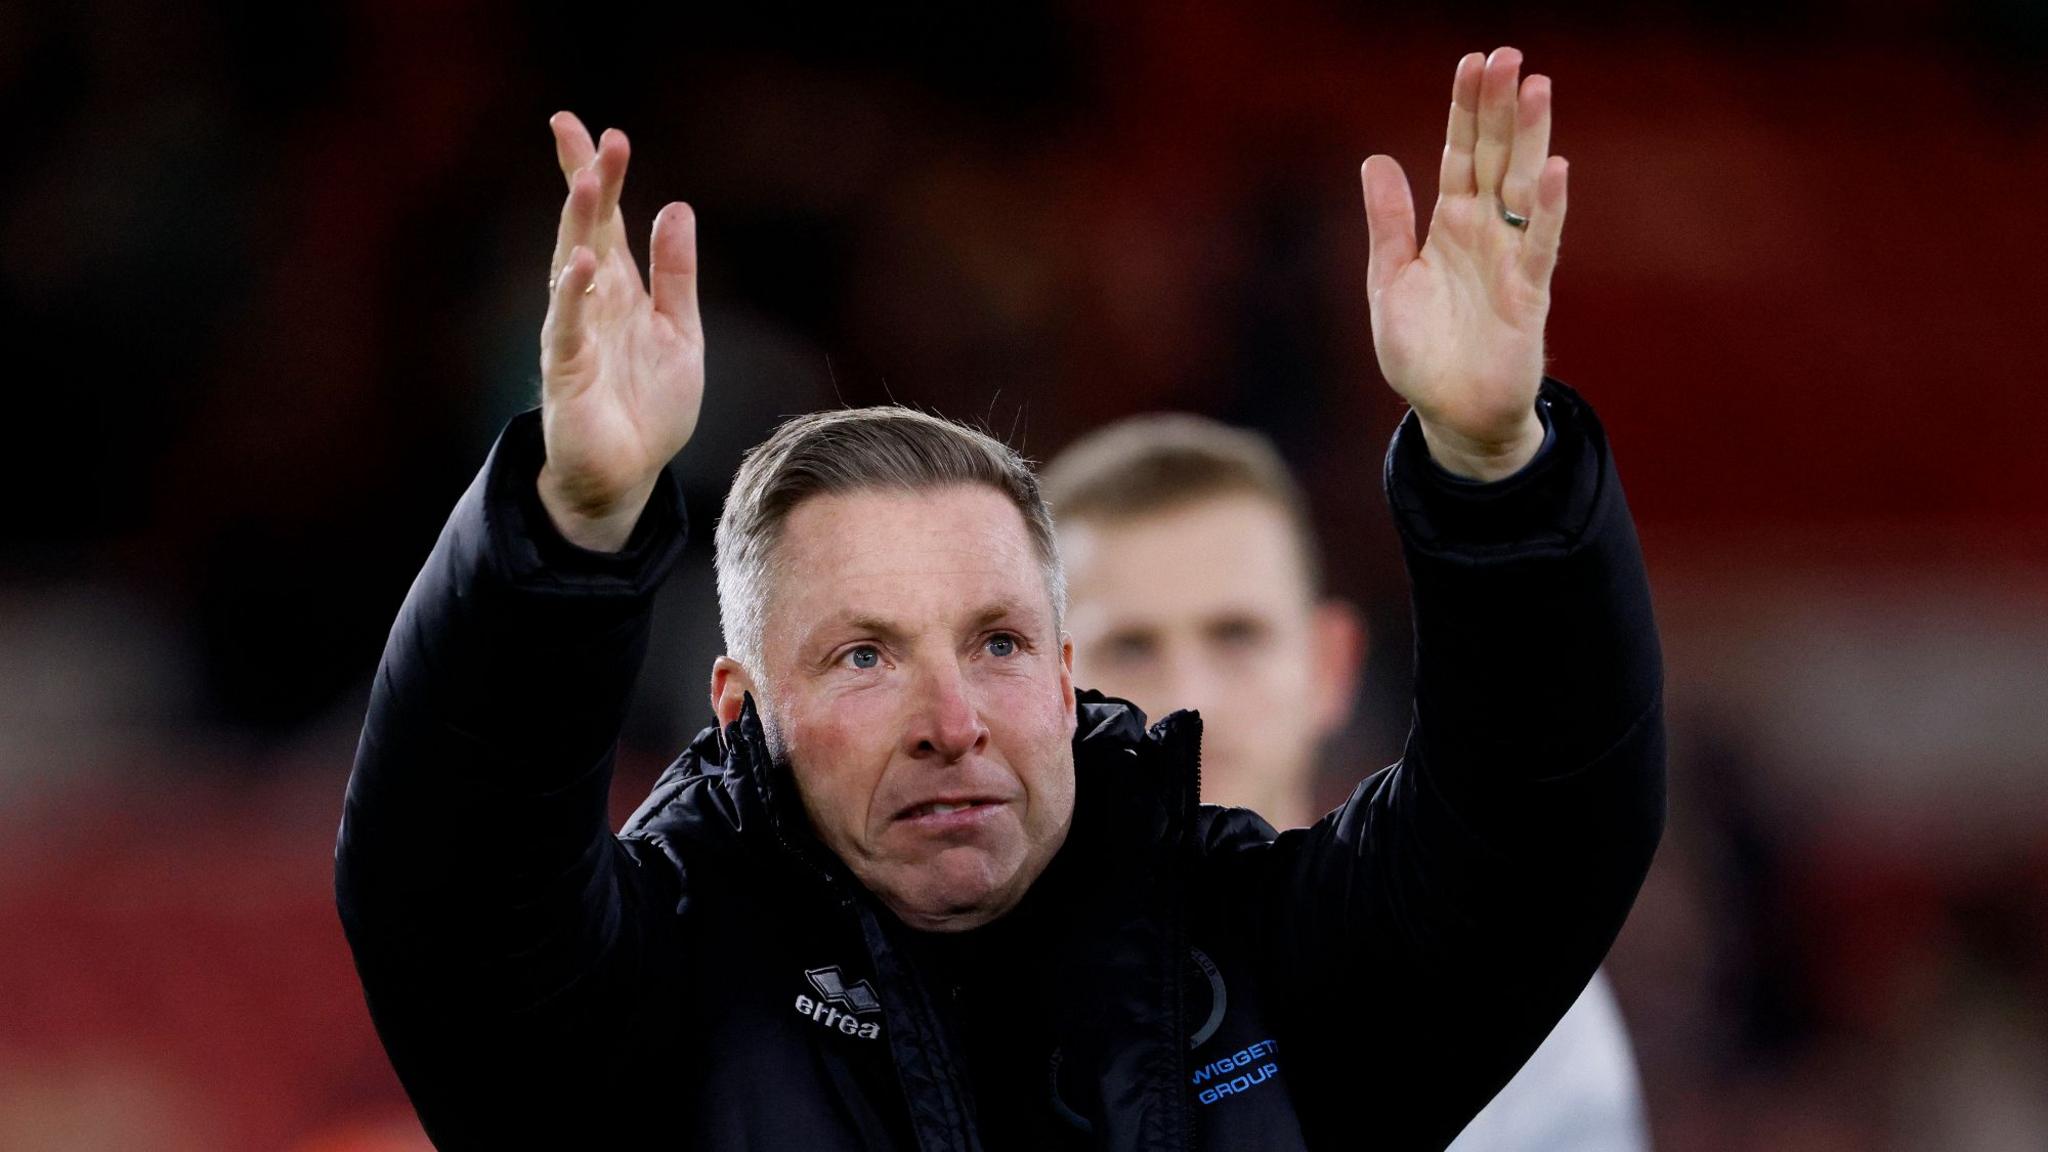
(1284, 802)
(1289, 808)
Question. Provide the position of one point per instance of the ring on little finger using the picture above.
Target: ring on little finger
(554, 280)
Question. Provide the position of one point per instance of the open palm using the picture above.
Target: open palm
(622, 364)
(1458, 324)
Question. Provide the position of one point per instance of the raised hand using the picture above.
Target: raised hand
(1459, 325)
(622, 367)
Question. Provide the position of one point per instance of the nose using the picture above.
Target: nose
(1193, 682)
(947, 724)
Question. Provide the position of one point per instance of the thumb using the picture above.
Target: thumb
(1389, 221)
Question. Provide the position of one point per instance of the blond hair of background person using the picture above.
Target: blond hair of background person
(1195, 580)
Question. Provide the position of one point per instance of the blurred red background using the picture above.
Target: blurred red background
(270, 278)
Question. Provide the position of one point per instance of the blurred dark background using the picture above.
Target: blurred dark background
(271, 277)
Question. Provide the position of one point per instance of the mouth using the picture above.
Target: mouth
(949, 812)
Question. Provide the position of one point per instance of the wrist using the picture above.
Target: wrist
(1483, 458)
(597, 525)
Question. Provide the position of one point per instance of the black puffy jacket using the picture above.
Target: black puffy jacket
(1180, 978)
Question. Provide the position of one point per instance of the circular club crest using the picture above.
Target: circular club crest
(1219, 999)
(1219, 1003)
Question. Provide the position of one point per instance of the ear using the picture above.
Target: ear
(1067, 680)
(1337, 645)
(730, 683)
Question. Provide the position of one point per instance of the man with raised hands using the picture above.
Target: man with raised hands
(914, 889)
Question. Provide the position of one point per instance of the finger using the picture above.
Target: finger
(1389, 222)
(613, 151)
(1546, 223)
(1455, 178)
(563, 333)
(1497, 85)
(579, 218)
(1531, 147)
(672, 267)
(573, 149)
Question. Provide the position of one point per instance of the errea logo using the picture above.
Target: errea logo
(835, 993)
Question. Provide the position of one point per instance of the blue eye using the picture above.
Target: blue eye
(864, 657)
(1002, 644)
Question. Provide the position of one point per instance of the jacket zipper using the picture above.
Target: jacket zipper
(1188, 802)
(1191, 810)
(757, 775)
(850, 907)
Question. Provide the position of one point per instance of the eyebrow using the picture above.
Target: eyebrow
(999, 610)
(875, 626)
(891, 632)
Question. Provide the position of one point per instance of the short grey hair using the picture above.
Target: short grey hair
(887, 447)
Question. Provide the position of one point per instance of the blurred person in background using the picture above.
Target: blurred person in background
(1194, 581)
(916, 889)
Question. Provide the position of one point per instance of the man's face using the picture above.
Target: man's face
(914, 677)
(1208, 606)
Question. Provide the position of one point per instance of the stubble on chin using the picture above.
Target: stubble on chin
(949, 904)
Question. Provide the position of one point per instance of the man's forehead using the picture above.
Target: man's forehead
(885, 617)
(892, 529)
(904, 557)
(1230, 540)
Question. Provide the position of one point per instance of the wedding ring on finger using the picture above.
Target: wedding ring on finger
(1515, 219)
(556, 279)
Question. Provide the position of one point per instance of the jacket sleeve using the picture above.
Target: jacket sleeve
(1425, 936)
(496, 923)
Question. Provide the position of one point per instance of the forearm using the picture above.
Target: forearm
(1536, 649)
(495, 709)
(1477, 883)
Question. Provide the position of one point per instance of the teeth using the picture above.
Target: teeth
(942, 809)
